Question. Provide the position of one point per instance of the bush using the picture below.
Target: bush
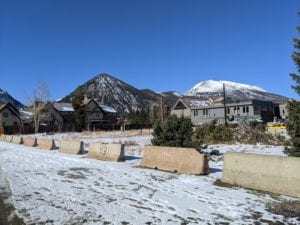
(245, 132)
(174, 132)
(212, 133)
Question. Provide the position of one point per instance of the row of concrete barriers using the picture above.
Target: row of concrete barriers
(100, 151)
(275, 174)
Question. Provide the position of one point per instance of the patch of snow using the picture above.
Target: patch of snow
(177, 94)
(217, 86)
(200, 103)
(73, 189)
(108, 109)
(68, 109)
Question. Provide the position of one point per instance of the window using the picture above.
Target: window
(228, 110)
(99, 115)
(195, 112)
(5, 114)
(283, 112)
(236, 110)
(205, 112)
(246, 110)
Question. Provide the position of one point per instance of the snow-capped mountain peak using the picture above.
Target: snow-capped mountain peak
(236, 91)
(217, 86)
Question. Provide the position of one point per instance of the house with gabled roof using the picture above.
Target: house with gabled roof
(10, 120)
(57, 117)
(183, 106)
(251, 110)
(99, 116)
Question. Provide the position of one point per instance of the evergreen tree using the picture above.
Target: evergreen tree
(293, 125)
(293, 128)
(79, 108)
(139, 118)
(296, 59)
(174, 132)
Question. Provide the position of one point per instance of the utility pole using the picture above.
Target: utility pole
(225, 110)
(161, 109)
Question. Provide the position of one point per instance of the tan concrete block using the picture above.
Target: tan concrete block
(8, 138)
(179, 160)
(17, 140)
(30, 141)
(2, 137)
(46, 144)
(106, 152)
(277, 174)
(71, 147)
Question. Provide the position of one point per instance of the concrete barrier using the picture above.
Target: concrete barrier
(17, 140)
(46, 144)
(179, 160)
(71, 147)
(2, 137)
(8, 138)
(30, 141)
(106, 152)
(275, 174)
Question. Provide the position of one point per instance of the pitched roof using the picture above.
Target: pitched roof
(107, 109)
(191, 101)
(65, 107)
(11, 108)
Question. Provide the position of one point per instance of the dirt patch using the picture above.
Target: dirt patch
(286, 208)
(7, 210)
(75, 176)
(220, 183)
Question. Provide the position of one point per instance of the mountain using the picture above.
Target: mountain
(125, 98)
(6, 97)
(237, 91)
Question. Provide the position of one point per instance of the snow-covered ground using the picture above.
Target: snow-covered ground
(49, 187)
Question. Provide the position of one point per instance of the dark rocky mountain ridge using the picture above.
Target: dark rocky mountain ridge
(120, 95)
(6, 97)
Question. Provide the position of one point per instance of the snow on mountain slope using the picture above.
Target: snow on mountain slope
(236, 91)
(121, 96)
(217, 86)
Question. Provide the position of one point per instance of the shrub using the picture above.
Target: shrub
(212, 133)
(174, 132)
(245, 132)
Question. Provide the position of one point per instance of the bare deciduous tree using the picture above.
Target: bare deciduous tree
(37, 103)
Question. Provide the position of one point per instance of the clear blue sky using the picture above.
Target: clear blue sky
(157, 44)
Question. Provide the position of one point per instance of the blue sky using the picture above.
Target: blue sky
(157, 44)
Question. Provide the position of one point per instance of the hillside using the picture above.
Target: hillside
(120, 95)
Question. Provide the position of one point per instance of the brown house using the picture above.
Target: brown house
(99, 116)
(57, 117)
(10, 120)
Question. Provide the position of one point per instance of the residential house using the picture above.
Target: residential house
(258, 110)
(99, 116)
(57, 117)
(184, 105)
(63, 118)
(27, 121)
(10, 120)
